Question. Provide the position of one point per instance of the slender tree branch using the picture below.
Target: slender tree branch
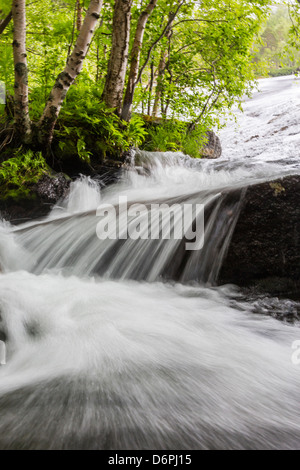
(172, 16)
(199, 20)
(187, 45)
(5, 22)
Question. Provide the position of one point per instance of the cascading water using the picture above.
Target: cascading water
(99, 357)
(70, 243)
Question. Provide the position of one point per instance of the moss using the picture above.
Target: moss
(17, 195)
(278, 188)
(21, 69)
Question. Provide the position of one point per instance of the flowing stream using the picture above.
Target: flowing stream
(129, 344)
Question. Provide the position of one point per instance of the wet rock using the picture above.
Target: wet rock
(3, 336)
(109, 172)
(265, 248)
(212, 148)
(51, 189)
(107, 169)
(38, 203)
(22, 209)
(251, 300)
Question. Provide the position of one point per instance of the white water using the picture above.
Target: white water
(266, 135)
(94, 362)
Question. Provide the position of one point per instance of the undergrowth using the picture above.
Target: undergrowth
(19, 172)
(283, 71)
(170, 135)
(86, 127)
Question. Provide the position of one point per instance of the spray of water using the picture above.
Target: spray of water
(97, 358)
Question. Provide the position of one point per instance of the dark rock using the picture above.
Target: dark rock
(22, 209)
(51, 189)
(277, 286)
(212, 148)
(3, 336)
(109, 172)
(107, 169)
(265, 247)
(260, 303)
(44, 194)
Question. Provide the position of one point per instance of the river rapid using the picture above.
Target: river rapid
(104, 351)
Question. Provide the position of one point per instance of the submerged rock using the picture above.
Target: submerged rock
(265, 248)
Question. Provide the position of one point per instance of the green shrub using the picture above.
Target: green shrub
(171, 135)
(193, 142)
(282, 72)
(165, 136)
(20, 171)
(85, 121)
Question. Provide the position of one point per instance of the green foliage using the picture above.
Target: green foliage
(135, 131)
(4, 9)
(175, 136)
(194, 141)
(275, 53)
(165, 136)
(294, 31)
(207, 69)
(20, 171)
(86, 124)
(282, 71)
(207, 61)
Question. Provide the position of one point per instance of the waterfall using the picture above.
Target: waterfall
(123, 343)
(70, 243)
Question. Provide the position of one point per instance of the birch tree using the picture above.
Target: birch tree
(21, 111)
(66, 78)
(135, 59)
(194, 66)
(118, 60)
(136, 71)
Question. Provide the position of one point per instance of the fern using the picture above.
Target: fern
(20, 171)
(85, 121)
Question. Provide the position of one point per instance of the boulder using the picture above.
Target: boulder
(38, 203)
(51, 189)
(212, 148)
(265, 247)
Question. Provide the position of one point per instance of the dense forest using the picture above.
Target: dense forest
(87, 80)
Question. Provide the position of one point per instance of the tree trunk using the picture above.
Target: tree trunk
(150, 88)
(159, 86)
(67, 77)
(5, 22)
(135, 59)
(117, 64)
(21, 112)
(78, 15)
